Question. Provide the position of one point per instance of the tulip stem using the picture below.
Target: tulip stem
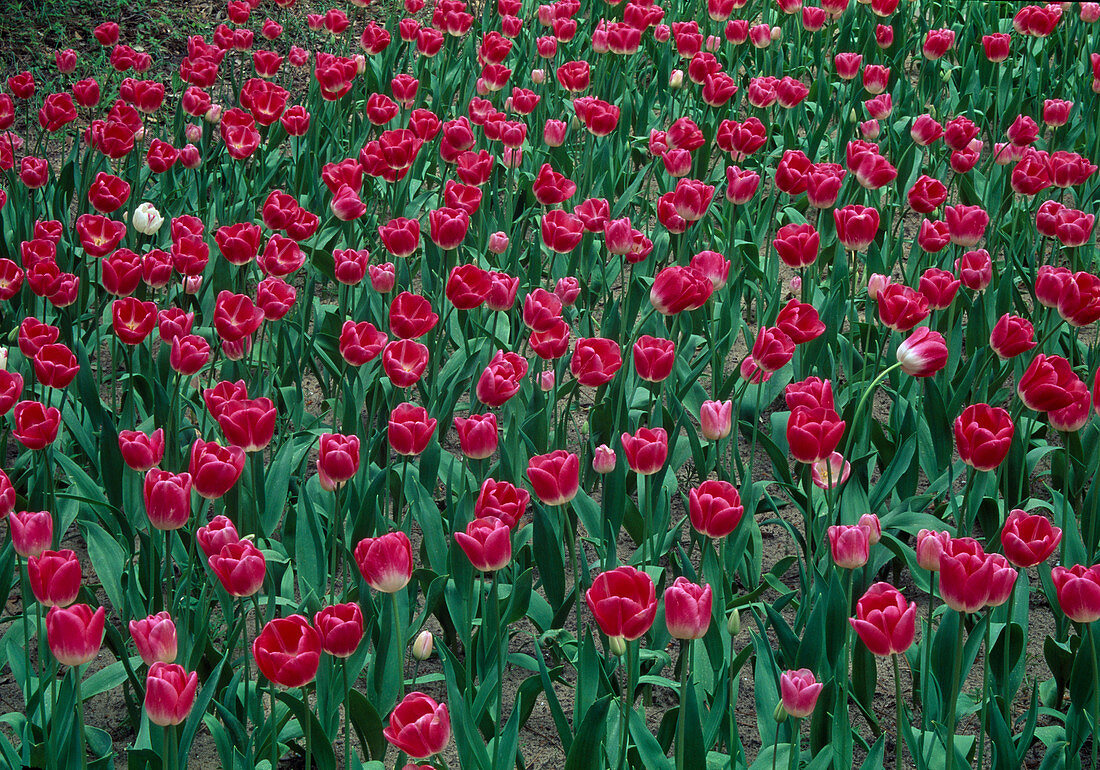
(985, 686)
(899, 749)
(347, 711)
(793, 755)
(1095, 695)
(953, 705)
(400, 645)
(247, 663)
(80, 718)
(502, 653)
(308, 730)
(171, 742)
(685, 666)
(628, 703)
(863, 400)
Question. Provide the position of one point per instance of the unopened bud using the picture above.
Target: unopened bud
(780, 713)
(617, 645)
(422, 647)
(734, 622)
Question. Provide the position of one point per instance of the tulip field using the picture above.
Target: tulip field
(489, 384)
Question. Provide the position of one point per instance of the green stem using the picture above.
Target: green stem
(681, 722)
(171, 740)
(866, 395)
(1095, 695)
(985, 688)
(347, 721)
(953, 706)
(502, 653)
(400, 645)
(308, 731)
(628, 703)
(796, 745)
(80, 719)
(899, 749)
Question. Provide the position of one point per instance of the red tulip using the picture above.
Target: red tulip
(55, 365)
(75, 633)
(1011, 336)
(411, 316)
(487, 543)
(715, 419)
(624, 602)
(687, 609)
(248, 423)
(797, 245)
(555, 477)
(901, 308)
(966, 575)
(850, 545)
(772, 350)
(715, 508)
(813, 433)
(31, 532)
(983, 435)
(1046, 385)
(55, 577)
(923, 353)
(155, 638)
(360, 342)
(885, 621)
(214, 468)
(169, 693)
(240, 567)
(404, 361)
(678, 288)
(1028, 540)
(410, 429)
(385, 562)
(646, 450)
(235, 316)
(501, 500)
(856, 226)
(477, 435)
(1078, 592)
(561, 231)
(501, 379)
(653, 358)
(467, 286)
(35, 424)
(340, 627)
(595, 361)
(799, 691)
(419, 726)
(448, 227)
(288, 651)
(400, 236)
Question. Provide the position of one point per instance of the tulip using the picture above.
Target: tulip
(341, 629)
(503, 501)
(35, 424)
(31, 532)
(288, 651)
(850, 545)
(654, 358)
(487, 543)
(337, 460)
(923, 353)
(75, 633)
(404, 361)
(716, 419)
(623, 602)
(687, 609)
(646, 450)
(385, 562)
(169, 693)
(167, 498)
(715, 508)
(900, 308)
(155, 638)
(595, 361)
(1046, 385)
(422, 646)
(410, 429)
(856, 226)
(419, 726)
(885, 621)
(361, 342)
(240, 567)
(799, 691)
(1002, 581)
(214, 468)
(477, 435)
(1011, 336)
(603, 459)
(830, 472)
(813, 433)
(1078, 591)
(811, 392)
(772, 350)
(678, 288)
(555, 477)
(55, 577)
(966, 575)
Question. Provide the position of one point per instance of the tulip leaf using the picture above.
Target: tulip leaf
(323, 754)
(368, 725)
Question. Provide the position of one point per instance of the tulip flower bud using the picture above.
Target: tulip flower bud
(546, 380)
(617, 645)
(3, 359)
(733, 624)
(538, 76)
(776, 34)
(604, 459)
(795, 284)
(422, 647)
(193, 132)
(147, 220)
(780, 713)
(214, 114)
(676, 79)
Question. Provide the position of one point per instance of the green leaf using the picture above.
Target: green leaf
(585, 752)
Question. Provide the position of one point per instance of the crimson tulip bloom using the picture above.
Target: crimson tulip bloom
(214, 468)
(169, 693)
(1011, 336)
(340, 627)
(885, 621)
(288, 651)
(646, 450)
(155, 638)
(55, 365)
(404, 361)
(715, 508)
(1078, 592)
(167, 498)
(385, 562)
(966, 223)
(595, 361)
(411, 316)
(1047, 385)
(218, 533)
(467, 286)
(248, 423)
(240, 567)
(772, 350)
(477, 435)
(337, 460)
(448, 227)
(679, 288)
(75, 633)
(624, 602)
(856, 226)
(555, 477)
(419, 726)
(687, 609)
(55, 577)
(715, 419)
(501, 379)
(541, 310)
(31, 532)
(236, 316)
(966, 575)
(501, 500)
(901, 308)
(487, 543)
(799, 691)
(400, 236)
(653, 358)
(983, 435)
(35, 424)
(561, 231)
(1028, 540)
(360, 342)
(410, 429)
(813, 433)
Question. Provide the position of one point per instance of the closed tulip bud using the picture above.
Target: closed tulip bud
(716, 419)
(966, 575)
(385, 562)
(555, 477)
(75, 633)
(850, 545)
(546, 380)
(169, 693)
(603, 460)
(167, 498)
(1078, 591)
(799, 691)
(873, 524)
(422, 647)
(715, 508)
(654, 358)
(155, 638)
(687, 609)
(733, 622)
